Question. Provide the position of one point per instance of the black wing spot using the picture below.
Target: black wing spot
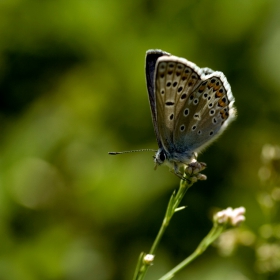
(182, 127)
(171, 117)
(175, 84)
(214, 120)
(211, 133)
(184, 96)
(212, 81)
(221, 90)
(168, 84)
(186, 112)
(205, 95)
(162, 91)
(169, 103)
(180, 89)
(195, 102)
(194, 128)
(212, 112)
(199, 132)
(210, 105)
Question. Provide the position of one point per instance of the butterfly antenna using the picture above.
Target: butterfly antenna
(132, 151)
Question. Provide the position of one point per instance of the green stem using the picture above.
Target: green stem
(210, 238)
(174, 202)
(138, 271)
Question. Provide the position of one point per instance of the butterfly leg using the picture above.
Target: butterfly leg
(177, 172)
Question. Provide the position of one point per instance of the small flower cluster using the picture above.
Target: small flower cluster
(230, 217)
(194, 168)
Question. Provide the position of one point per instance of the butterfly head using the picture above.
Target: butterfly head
(160, 157)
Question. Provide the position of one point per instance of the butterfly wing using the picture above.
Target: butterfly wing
(175, 79)
(210, 110)
(193, 105)
(151, 58)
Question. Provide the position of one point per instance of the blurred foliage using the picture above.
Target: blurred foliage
(72, 88)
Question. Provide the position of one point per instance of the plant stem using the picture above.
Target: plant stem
(174, 202)
(210, 238)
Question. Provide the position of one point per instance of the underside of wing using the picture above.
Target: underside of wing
(190, 106)
(205, 113)
(151, 58)
(176, 79)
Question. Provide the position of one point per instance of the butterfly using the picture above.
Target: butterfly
(190, 107)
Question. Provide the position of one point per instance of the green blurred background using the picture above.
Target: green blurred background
(72, 88)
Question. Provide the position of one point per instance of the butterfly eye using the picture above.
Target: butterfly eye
(162, 156)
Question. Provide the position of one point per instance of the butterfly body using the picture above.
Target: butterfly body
(190, 107)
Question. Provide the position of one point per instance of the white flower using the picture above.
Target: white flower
(148, 259)
(232, 217)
